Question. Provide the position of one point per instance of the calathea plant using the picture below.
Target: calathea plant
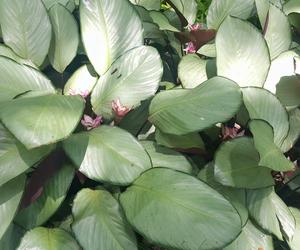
(129, 125)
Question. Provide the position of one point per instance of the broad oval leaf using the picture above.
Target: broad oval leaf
(12, 237)
(288, 91)
(54, 193)
(109, 28)
(147, 4)
(26, 28)
(251, 238)
(236, 165)
(17, 79)
(99, 222)
(11, 194)
(177, 200)
(242, 53)
(263, 105)
(295, 242)
(15, 159)
(48, 239)
(283, 65)
(188, 8)
(81, 82)
(162, 21)
(271, 213)
(165, 157)
(9, 53)
(278, 32)
(37, 121)
(134, 77)
(219, 10)
(192, 71)
(184, 111)
(270, 155)
(65, 38)
(66, 3)
(108, 154)
(262, 8)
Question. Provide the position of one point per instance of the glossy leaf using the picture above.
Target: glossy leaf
(261, 104)
(271, 213)
(278, 33)
(184, 111)
(82, 81)
(17, 79)
(48, 239)
(270, 155)
(251, 238)
(26, 28)
(192, 140)
(99, 222)
(175, 200)
(108, 154)
(116, 33)
(288, 91)
(134, 77)
(9, 53)
(11, 194)
(262, 8)
(66, 3)
(192, 71)
(37, 121)
(236, 165)
(188, 8)
(208, 50)
(12, 237)
(162, 21)
(15, 159)
(148, 4)
(54, 193)
(165, 157)
(65, 38)
(295, 242)
(242, 53)
(219, 10)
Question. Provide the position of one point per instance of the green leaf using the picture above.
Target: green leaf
(54, 193)
(26, 28)
(147, 4)
(17, 79)
(208, 50)
(251, 238)
(295, 242)
(162, 21)
(108, 154)
(278, 33)
(12, 238)
(288, 91)
(185, 111)
(291, 6)
(188, 8)
(271, 213)
(116, 33)
(9, 53)
(262, 8)
(37, 121)
(69, 4)
(263, 105)
(165, 157)
(294, 132)
(134, 77)
(237, 197)
(48, 239)
(270, 155)
(82, 81)
(65, 37)
(283, 65)
(236, 165)
(99, 222)
(15, 159)
(242, 53)
(219, 10)
(162, 204)
(192, 71)
(11, 194)
(192, 140)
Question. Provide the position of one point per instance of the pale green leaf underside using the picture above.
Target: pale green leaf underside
(177, 200)
(242, 53)
(295, 242)
(37, 121)
(108, 154)
(184, 111)
(26, 28)
(109, 28)
(99, 222)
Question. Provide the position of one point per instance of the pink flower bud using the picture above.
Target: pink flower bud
(191, 48)
(90, 123)
(119, 110)
(230, 133)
